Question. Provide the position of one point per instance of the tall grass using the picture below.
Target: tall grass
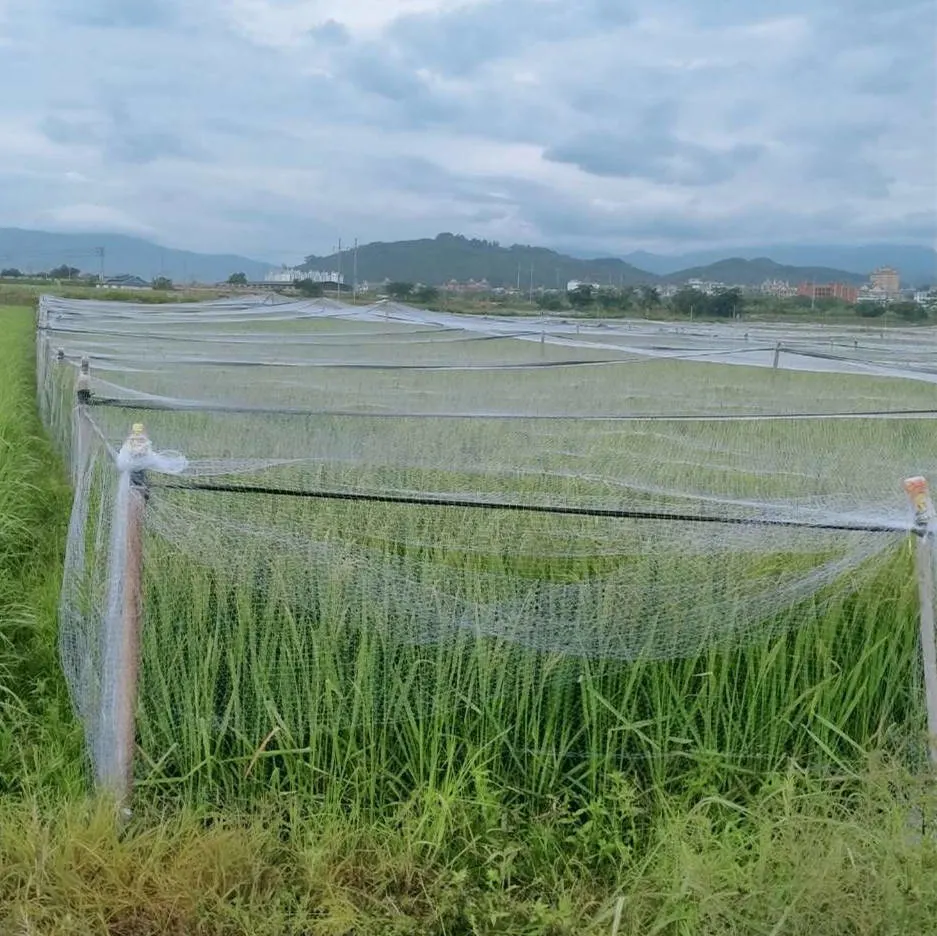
(794, 859)
(249, 685)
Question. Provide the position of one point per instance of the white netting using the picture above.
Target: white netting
(610, 490)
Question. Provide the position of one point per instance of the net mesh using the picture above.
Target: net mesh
(589, 491)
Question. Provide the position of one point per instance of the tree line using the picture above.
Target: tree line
(690, 302)
(728, 303)
(65, 272)
(60, 272)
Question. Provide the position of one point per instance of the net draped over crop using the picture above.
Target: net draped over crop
(576, 488)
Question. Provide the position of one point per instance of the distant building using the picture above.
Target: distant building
(886, 280)
(842, 291)
(867, 294)
(293, 275)
(124, 281)
(285, 275)
(782, 289)
(470, 286)
(573, 285)
(710, 288)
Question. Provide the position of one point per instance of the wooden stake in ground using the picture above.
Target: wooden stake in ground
(924, 516)
(122, 629)
(83, 400)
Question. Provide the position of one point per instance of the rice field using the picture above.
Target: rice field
(392, 718)
(368, 649)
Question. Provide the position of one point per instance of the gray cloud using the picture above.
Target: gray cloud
(119, 134)
(66, 130)
(374, 71)
(117, 13)
(670, 161)
(652, 150)
(460, 41)
(610, 125)
(331, 32)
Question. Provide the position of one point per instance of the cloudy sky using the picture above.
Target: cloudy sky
(273, 127)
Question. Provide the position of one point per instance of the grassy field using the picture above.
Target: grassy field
(389, 803)
(15, 294)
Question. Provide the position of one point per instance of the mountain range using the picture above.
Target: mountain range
(454, 257)
(34, 251)
(916, 264)
(743, 272)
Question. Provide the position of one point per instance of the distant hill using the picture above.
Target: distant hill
(917, 265)
(437, 260)
(453, 257)
(36, 251)
(741, 272)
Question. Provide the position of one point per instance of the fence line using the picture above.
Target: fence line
(199, 406)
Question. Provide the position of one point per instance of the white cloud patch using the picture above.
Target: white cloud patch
(272, 127)
(93, 217)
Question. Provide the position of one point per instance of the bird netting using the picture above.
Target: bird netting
(574, 489)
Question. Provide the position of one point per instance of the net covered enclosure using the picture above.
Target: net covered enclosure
(385, 543)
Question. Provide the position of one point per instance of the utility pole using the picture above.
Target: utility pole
(100, 252)
(518, 278)
(530, 294)
(339, 268)
(354, 275)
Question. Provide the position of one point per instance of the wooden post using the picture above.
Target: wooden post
(83, 428)
(777, 355)
(83, 386)
(122, 631)
(50, 382)
(918, 494)
(130, 630)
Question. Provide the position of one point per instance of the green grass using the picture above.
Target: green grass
(795, 860)
(38, 737)
(442, 789)
(22, 294)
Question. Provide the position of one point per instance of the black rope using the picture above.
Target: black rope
(525, 508)
(199, 407)
(339, 365)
